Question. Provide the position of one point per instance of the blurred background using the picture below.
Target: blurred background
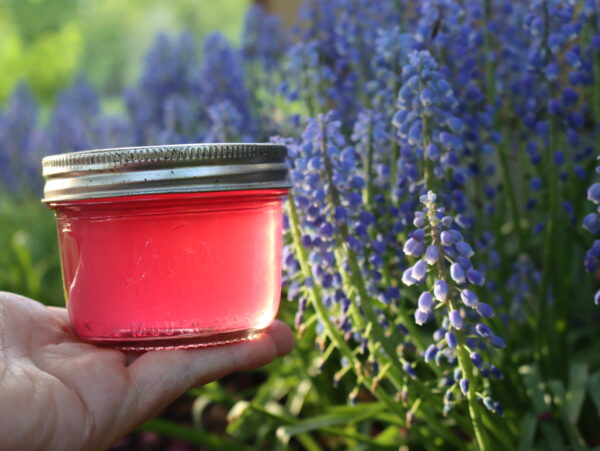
(47, 43)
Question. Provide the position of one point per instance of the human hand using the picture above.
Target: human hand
(59, 393)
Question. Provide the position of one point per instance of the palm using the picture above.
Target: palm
(60, 393)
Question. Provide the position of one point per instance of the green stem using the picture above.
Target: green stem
(430, 181)
(473, 403)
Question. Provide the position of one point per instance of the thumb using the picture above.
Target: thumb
(160, 377)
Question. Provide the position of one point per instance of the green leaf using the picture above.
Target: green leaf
(528, 428)
(578, 376)
(594, 389)
(358, 413)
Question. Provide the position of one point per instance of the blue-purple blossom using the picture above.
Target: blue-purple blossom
(451, 339)
(440, 290)
(457, 273)
(469, 298)
(456, 319)
(425, 302)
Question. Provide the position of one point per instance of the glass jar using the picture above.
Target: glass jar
(169, 246)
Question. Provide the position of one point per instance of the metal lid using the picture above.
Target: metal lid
(131, 171)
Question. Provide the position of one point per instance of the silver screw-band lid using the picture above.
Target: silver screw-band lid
(175, 168)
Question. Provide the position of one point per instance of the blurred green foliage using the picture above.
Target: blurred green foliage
(29, 257)
(49, 42)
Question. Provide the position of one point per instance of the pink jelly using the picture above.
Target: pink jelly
(146, 266)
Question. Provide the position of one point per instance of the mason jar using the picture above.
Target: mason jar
(169, 246)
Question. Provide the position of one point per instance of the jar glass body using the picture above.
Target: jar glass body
(171, 270)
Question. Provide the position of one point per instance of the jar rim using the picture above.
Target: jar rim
(195, 167)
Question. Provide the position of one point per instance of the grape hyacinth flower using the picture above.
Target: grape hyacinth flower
(454, 302)
(426, 119)
(387, 62)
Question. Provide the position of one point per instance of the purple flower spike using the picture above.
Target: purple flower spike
(455, 319)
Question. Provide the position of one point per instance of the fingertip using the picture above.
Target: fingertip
(282, 337)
